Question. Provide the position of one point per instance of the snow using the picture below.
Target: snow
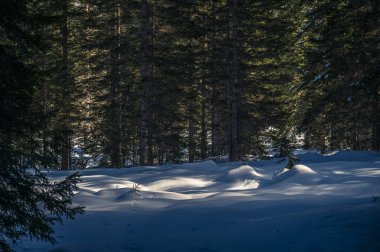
(325, 203)
(299, 174)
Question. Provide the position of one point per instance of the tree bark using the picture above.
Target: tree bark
(203, 129)
(191, 129)
(45, 105)
(234, 92)
(66, 86)
(215, 143)
(115, 117)
(145, 79)
(322, 144)
(376, 122)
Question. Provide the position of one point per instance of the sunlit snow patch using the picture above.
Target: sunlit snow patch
(177, 183)
(300, 174)
(243, 177)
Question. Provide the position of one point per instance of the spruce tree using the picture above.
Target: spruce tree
(341, 75)
(29, 203)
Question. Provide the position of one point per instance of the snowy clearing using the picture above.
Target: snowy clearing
(326, 203)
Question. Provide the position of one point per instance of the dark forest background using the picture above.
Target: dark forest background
(145, 82)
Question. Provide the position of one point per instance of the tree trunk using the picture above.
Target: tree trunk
(214, 96)
(150, 98)
(115, 117)
(307, 144)
(376, 122)
(45, 107)
(191, 129)
(234, 92)
(146, 79)
(355, 132)
(161, 146)
(66, 150)
(66, 146)
(322, 144)
(150, 154)
(203, 129)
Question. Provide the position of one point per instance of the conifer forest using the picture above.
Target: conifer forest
(130, 83)
(152, 82)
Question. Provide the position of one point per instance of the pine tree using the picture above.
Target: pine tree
(29, 203)
(147, 82)
(341, 74)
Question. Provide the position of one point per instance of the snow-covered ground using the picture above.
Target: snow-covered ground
(326, 203)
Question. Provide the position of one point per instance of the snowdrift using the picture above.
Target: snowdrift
(299, 174)
(204, 206)
(242, 173)
(241, 178)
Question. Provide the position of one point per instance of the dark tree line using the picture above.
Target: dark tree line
(162, 81)
(154, 81)
(341, 75)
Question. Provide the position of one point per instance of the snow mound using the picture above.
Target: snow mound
(130, 195)
(242, 173)
(177, 183)
(111, 193)
(298, 174)
(246, 185)
(302, 169)
(118, 192)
